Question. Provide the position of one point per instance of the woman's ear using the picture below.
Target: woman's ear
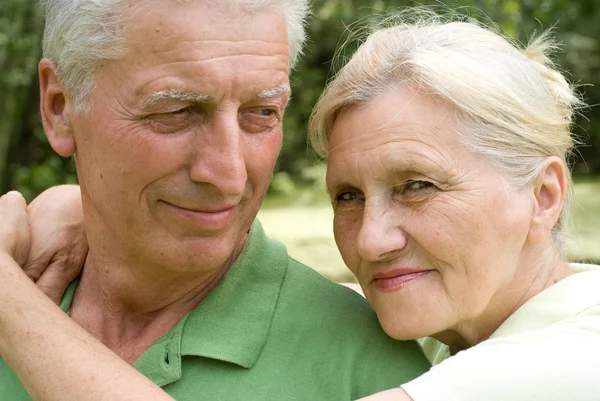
(550, 192)
(53, 108)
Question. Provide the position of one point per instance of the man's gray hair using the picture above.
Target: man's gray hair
(80, 33)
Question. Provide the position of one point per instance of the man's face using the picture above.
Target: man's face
(178, 150)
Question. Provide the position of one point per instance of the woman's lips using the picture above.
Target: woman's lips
(393, 280)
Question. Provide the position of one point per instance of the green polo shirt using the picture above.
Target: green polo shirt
(272, 329)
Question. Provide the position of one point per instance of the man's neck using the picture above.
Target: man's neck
(129, 307)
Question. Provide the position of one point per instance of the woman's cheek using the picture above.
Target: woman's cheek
(346, 226)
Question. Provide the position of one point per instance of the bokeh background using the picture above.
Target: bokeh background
(297, 209)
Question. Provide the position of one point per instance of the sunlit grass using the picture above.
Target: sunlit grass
(585, 241)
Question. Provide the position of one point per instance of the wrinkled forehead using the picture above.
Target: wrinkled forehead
(195, 51)
(401, 131)
(400, 116)
(157, 21)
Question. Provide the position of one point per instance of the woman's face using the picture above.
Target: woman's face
(433, 233)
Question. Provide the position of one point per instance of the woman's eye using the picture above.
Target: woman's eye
(345, 197)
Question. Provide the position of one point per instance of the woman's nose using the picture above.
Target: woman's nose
(381, 236)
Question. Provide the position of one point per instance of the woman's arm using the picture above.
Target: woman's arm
(58, 240)
(54, 358)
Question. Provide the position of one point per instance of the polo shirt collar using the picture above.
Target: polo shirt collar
(567, 298)
(232, 323)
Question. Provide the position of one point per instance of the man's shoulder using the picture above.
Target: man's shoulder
(330, 306)
(335, 321)
(301, 279)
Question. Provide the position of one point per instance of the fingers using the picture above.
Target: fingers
(15, 237)
(61, 271)
(39, 259)
(53, 282)
(13, 201)
(58, 239)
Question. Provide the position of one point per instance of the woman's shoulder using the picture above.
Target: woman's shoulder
(557, 362)
(584, 267)
(548, 349)
(569, 299)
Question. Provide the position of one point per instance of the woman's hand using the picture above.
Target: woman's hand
(15, 237)
(54, 358)
(58, 241)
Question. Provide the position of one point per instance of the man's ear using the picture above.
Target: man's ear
(53, 107)
(549, 192)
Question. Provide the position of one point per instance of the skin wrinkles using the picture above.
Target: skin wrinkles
(165, 90)
(147, 11)
(469, 231)
(375, 139)
(205, 56)
(183, 96)
(173, 94)
(420, 160)
(158, 83)
(215, 42)
(221, 42)
(388, 125)
(239, 48)
(412, 162)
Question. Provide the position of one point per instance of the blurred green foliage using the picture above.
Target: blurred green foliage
(28, 164)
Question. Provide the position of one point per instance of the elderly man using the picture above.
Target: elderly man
(174, 111)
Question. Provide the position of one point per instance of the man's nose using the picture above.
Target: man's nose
(218, 157)
(381, 237)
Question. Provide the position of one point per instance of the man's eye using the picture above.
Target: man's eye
(266, 112)
(172, 122)
(185, 110)
(417, 185)
(259, 119)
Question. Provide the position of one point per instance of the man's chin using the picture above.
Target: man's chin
(197, 253)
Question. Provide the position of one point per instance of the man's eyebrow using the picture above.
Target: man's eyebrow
(279, 89)
(195, 97)
(174, 94)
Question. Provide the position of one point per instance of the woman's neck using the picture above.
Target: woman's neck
(533, 278)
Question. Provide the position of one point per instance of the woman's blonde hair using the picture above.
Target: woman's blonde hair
(513, 105)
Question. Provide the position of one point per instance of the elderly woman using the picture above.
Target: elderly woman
(447, 153)
(447, 149)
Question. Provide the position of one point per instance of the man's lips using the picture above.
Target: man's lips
(202, 209)
(394, 279)
(209, 217)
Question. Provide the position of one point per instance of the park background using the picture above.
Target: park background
(297, 209)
